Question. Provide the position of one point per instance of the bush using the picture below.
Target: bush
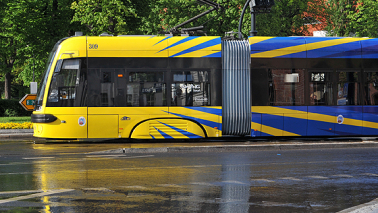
(12, 108)
(10, 113)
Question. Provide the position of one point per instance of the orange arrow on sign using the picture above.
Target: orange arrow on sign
(28, 102)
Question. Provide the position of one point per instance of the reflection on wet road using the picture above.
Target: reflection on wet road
(64, 178)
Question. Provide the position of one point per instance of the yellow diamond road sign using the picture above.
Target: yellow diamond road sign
(28, 102)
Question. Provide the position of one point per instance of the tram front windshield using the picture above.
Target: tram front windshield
(41, 89)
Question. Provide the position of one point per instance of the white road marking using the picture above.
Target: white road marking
(18, 173)
(118, 156)
(291, 178)
(169, 185)
(38, 158)
(370, 174)
(343, 175)
(20, 192)
(318, 177)
(65, 161)
(201, 183)
(142, 156)
(265, 180)
(16, 163)
(103, 156)
(234, 182)
(101, 189)
(134, 187)
(49, 192)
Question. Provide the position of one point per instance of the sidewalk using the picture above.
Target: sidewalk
(16, 134)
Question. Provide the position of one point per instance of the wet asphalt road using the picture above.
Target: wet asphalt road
(68, 178)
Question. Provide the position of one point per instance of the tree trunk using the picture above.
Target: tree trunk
(7, 86)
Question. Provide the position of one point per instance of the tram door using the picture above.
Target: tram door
(236, 100)
(105, 92)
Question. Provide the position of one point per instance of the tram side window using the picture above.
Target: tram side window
(371, 88)
(190, 88)
(348, 92)
(106, 87)
(321, 90)
(146, 89)
(67, 88)
(286, 87)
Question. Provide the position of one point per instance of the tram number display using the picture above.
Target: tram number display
(93, 46)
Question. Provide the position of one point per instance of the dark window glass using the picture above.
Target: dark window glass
(321, 89)
(146, 77)
(107, 87)
(106, 77)
(146, 89)
(348, 92)
(286, 87)
(371, 88)
(120, 88)
(68, 85)
(190, 88)
(191, 76)
(260, 87)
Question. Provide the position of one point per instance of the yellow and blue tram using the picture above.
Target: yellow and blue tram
(165, 87)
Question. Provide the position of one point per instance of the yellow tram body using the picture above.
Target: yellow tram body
(124, 122)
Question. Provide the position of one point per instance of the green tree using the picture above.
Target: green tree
(30, 29)
(287, 17)
(112, 16)
(340, 22)
(9, 45)
(42, 24)
(364, 21)
(165, 14)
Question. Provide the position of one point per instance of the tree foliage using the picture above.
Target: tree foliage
(286, 19)
(30, 29)
(339, 23)
(165, 14)
(363, 22)
(112, 16)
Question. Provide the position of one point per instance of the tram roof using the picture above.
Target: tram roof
(210, 46)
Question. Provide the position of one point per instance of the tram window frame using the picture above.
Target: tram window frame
(145, 101)
(194, 87)
(341, 97)
(326, 97)
(369, 100)
(72, 93)
(287, 82)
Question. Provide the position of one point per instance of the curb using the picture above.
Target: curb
(17, 136)
(16, 133)
(248, 147)
(369, 207)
